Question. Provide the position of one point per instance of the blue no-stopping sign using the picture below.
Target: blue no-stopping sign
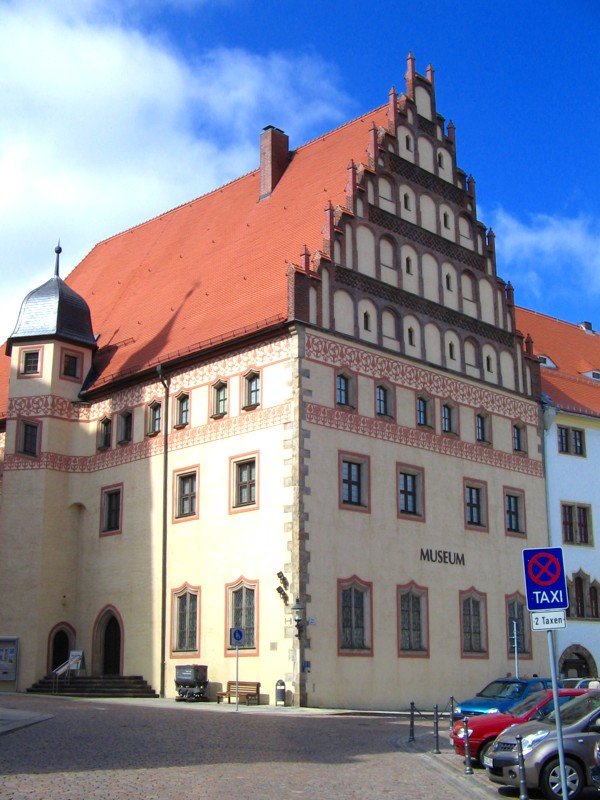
(545, 579)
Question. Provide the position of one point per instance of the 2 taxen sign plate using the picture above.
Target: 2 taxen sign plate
(545, 579)
(548, 620)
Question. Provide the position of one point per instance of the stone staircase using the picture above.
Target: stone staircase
(96, 686)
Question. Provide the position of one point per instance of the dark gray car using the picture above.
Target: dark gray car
(580, 723)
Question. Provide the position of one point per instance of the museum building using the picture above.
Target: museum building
(297, 406)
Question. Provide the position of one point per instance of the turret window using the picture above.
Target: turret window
(30, 362)
(28, 438)
(71, 366)
(104, 433)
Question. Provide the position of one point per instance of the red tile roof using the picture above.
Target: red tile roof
(215, 265)
(574, 351)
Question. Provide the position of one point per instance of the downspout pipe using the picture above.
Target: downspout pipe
(166, 382)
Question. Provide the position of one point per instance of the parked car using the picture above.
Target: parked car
(580, 724)
(500, 695)
(484, 728)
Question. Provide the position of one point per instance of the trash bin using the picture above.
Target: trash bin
(191, 681)
(280, 692)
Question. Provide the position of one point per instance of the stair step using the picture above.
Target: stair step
(96, 686)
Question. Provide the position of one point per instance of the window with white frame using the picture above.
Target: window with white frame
(242, 612)
(576, 526)
(583, 594)
(125, 427)
(449, 418)
(383, 404)
(343, 389)
(473, 615)
(71, 365)
(111, 509)
(514, 511)
(182, 410)
(244, 482)
(410, 491)
(424, 412)
(475, 499)
(354, 481)
(28, 437)
(154, 418)
(519, 438)
(354, 602)
(412, 616)
(219, 399)
(186, 493)
(185, 621)
(104, 433)
(571, 441)
(30, 362)
(251, 390)
(482, 428)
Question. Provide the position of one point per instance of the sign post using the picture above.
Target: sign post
(547, 600)
(236, 638)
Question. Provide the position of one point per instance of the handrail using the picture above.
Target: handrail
(72, 663)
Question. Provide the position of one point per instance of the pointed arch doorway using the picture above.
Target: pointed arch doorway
(108, 643)
(61, 641)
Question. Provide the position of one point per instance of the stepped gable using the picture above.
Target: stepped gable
(574, 350)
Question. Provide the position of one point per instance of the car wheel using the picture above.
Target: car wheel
(484, 750)
(551, 784)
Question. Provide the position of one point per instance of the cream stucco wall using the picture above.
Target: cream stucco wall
(384, 550)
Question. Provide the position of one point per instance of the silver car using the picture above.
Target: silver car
(580, 723)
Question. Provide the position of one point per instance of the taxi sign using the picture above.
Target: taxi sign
(545, 579)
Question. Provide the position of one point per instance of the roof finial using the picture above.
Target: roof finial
(58, 251)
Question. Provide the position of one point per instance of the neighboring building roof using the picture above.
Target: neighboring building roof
(574, 349)
(216, 266)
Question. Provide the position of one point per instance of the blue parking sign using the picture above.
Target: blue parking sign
(545, 579)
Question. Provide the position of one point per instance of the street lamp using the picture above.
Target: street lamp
(298, 610)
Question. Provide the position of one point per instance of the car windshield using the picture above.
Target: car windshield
(575, 709)
(527, 704)
(503, 689)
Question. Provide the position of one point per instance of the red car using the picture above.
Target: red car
(484, 728)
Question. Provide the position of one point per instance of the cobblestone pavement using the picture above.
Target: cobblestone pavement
(71, 749)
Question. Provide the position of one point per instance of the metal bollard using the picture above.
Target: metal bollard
(468, 765)
(436, 730)
(521, 763)
(411, 729)
(451, 711)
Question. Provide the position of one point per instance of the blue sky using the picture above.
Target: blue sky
(116, 110)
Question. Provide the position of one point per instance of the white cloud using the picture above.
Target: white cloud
(103, 127)
(553, 258)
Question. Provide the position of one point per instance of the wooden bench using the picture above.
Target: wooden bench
(248, 690)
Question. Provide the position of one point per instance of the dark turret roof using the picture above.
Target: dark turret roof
(54, 310)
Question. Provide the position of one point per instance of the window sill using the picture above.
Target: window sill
(150, 434)
(250, 407)
(123, 442)
(180, 425)
(218, 416)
